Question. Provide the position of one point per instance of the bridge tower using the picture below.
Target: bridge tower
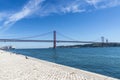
(54, 38)
(106, 40)
(102, 41)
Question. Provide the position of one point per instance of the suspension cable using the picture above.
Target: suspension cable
(34, 36)
(66, 36)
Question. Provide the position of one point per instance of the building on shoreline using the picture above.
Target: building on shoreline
(7, 48)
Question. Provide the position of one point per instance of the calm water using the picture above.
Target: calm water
(105, 61)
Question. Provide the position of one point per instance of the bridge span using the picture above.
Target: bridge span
(54, 41)
(57, 41)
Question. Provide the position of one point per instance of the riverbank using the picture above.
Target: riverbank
(18, 67)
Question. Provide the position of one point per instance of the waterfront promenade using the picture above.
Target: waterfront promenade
(17, 67)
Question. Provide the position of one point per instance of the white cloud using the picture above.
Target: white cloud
(46, 7)
(73, 7)
(110, 3)
(93, 2)
(28, 9)
(3, 16)
(61, 6)
(98, 4)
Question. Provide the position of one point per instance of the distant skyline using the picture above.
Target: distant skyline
(85, 20)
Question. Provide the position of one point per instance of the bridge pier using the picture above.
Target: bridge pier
(54, 38)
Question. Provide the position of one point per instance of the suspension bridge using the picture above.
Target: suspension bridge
(54, 41)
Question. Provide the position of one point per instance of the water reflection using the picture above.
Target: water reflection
(55, 56)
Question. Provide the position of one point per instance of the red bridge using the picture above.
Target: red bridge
(54, 41)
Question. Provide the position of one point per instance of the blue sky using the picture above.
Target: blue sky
(78, 19)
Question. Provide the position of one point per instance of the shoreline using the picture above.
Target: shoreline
(17, 67)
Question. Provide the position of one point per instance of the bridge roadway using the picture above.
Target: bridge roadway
(58, 41)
